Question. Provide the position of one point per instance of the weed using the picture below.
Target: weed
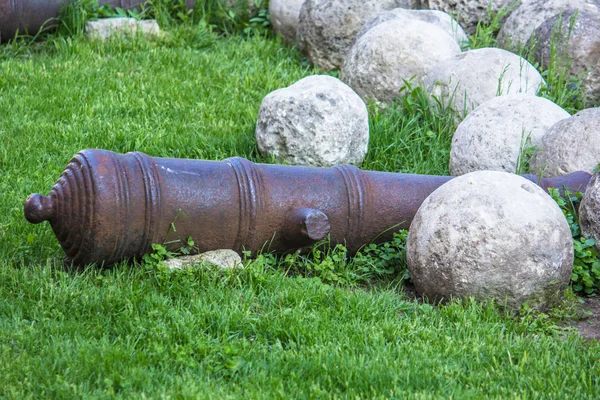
(586, 267)
(236, 16)
(487, 30)
(334, 265)
(411, 135)
(526, 151)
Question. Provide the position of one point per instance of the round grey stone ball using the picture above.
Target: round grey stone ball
(499, 134)
(437, 18)
(326, 28)
(284, 17)
(572, 144)
(589, 211)
(528, 16)
(393, 52)
(470, 78)
(582, 49)
(492, 236)
(468, 12)
(317, 121)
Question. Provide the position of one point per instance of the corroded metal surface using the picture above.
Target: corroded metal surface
(108, 207)
(29, 16)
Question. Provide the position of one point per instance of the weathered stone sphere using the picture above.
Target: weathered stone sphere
(490, 235)
(284, 17)
(437, 18)
(326, 28)
(583, 47)
(570, 145)
(394, 51)
(528, 16)
(470, 78)
(316, 121)
(589, 211)
(469, 12)
(496, 134)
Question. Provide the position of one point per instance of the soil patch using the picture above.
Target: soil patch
(589, 325)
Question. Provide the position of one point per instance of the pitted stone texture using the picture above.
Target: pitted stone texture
(221, 258)
(495, 135)
(437, 18)
(326, 28)
(490, 235)
(317, 121)
(570, 145)
(284, 17)
(468, 12)
(473, 77)
(589, 211)
(583, 47)
(394, 51)
(530, 14)
(148, 27)
(108, 27)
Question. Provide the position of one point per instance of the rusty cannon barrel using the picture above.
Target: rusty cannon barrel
(30, 16)
(108, 207)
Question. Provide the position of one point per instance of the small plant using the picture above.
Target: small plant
(526, 152)
(487, 30)
(155, 259)
(261, 22)
(586, 267)
(231, 17)
(335, 265)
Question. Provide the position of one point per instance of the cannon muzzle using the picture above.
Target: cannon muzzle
(108, 207)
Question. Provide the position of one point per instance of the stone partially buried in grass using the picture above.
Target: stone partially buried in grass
(490, 235)
(570, 145)
(393, 52)
(326, 28)
(498, 134)
(225, 259)
(471, 78)
(107, 28)
(317, 121)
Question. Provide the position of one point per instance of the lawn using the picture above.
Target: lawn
(275, 329)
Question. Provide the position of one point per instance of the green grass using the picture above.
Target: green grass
(254, 333)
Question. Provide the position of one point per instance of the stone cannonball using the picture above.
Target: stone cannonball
(490, 235)
(582, 49)
(316, 121)
(528, 16)
(469, 12)
(589, 211)
(394, 51)
(326, 28)
(570, 145)
(284, 17)
(437, 18)
(470, 78)
(497, 134)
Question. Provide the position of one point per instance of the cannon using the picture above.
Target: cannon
(31, 16)
(107, 207)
